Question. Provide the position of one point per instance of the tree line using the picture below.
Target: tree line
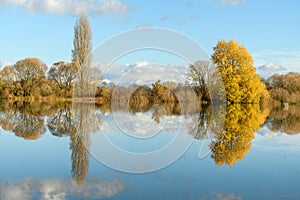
(231, 66)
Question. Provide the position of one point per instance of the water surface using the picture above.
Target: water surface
(253, 152)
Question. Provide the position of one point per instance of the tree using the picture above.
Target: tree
(64, 74)
(9, 78)
(235, 65)
(28, 73)
(285, 87)
(200, 74)
(82, 56)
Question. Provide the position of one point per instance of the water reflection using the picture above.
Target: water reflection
(284, 120)
(86, 122)
(232, 138)
(57, 188)
(76, 122)
(235, 139)
(24, 119)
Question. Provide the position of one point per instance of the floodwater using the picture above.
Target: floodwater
(237, 152)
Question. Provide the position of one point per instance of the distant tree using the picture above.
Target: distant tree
(9, 80)
(200, 74)
(82, 56)
(64, 74)
(162, 92)
(235, 65)
(28, 73)
(284, 87)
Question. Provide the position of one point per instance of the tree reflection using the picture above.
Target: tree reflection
(199, 127)
(23, 121)
(78, 122)
(86, 121)
(233, 129)
(235, 140)
(62, 123)
(285, 120)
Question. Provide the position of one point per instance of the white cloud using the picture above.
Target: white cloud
(267, 140)
(272, 67)
(221, 196)
(73, 7)
(233, 2)
(59, 189)
(269, 69)
(289, 59)
(267, 133)
(143, 73)
(5, 63)
(143, 124)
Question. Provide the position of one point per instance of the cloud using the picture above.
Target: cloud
(269, 69)
(144, 26)
(228, 197)
(142, 125)
(267, 133)
(289, 59)
(233, 2)
(73, 7)
(267, 140)
(5, 63)
(59, 189)
(144, 73)
(221, 196)
(164, 18)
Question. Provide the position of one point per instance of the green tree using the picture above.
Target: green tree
(235, 65)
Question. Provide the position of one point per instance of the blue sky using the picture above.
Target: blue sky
(44, 28)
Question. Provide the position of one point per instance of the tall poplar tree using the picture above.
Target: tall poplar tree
(82, 56)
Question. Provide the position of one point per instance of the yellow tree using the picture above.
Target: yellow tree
(235, 64)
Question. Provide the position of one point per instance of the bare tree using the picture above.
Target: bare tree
(200, 74)
(82, 56)
(64, 74)
(29, 72)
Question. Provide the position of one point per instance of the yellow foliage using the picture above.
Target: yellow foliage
(235, 140)
(235, 64)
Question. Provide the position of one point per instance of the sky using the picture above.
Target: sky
(44, 28)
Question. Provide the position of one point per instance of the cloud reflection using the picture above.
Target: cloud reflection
(59, 189)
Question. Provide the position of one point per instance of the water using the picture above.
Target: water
(252, 153)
